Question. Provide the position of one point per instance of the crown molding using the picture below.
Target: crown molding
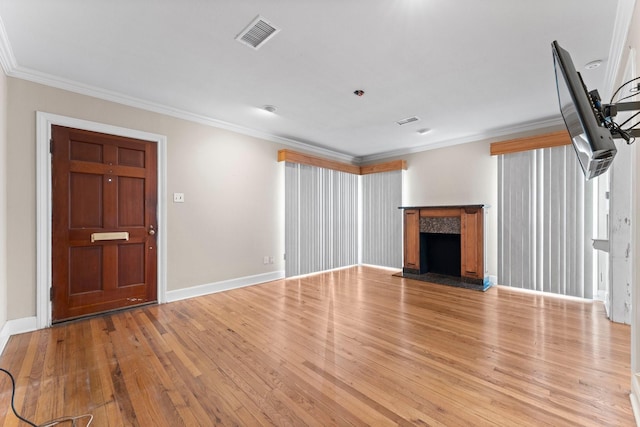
(7, 60)
(119, 98)
(622, 23)
(12, 69)
(502, 133)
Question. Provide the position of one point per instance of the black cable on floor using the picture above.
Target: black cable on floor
(48, 423)
(13, 395)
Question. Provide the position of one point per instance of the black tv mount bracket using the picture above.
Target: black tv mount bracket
(606, 112)
(611, 110)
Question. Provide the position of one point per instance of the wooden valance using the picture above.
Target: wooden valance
(554, 139)
(307, 159)
(395, 165)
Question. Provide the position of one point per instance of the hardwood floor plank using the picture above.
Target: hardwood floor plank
(328, 354)
(352, 347)
(101, 361)
(273, 344)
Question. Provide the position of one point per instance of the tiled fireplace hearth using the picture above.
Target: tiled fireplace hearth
(445, 244)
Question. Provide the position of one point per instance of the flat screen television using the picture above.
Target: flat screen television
(591, 139)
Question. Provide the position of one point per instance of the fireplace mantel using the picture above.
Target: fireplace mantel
(466, 220)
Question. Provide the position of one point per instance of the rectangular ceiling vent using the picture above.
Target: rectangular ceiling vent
(257, 33)
(407, 120)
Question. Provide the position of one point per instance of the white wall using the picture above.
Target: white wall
(233, 185)
(3, 199)
(633, 42)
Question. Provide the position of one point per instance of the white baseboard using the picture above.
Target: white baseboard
(224, 285)
(383, 267)
(18, 326)
(493, 280)
(635, 393)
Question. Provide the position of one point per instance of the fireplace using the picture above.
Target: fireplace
(445, 244)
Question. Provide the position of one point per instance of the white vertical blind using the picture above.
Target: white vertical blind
(517, 220)
(292, 219)
(545, 219)
(321, 218)
(381, 219)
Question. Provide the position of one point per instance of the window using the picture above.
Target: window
(545, 222)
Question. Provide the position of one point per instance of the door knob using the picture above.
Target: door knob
(151, 230)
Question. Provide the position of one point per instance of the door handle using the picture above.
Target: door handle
(151, 230)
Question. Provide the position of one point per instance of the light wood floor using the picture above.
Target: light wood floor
(352, 347)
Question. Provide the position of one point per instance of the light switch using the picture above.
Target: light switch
(178, 197)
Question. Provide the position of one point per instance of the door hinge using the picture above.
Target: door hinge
(51, 294)
(51, 146)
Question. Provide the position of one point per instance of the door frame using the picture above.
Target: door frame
(44, 210)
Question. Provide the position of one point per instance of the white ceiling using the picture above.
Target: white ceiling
(468, 69)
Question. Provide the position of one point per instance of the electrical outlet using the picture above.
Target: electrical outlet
(178, 197)
(265, 260)
(270, 260)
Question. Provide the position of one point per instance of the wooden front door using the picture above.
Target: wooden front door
(104, 222)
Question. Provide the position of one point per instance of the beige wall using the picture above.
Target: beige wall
(233, 211)
(3, 203)
(233, 186)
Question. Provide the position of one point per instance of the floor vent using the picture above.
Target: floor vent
(407, 120)
(257, 33)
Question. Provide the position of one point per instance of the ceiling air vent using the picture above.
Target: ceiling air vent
(257, 32)
(407, 120)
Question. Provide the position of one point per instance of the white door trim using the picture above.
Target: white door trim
(44, 121)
